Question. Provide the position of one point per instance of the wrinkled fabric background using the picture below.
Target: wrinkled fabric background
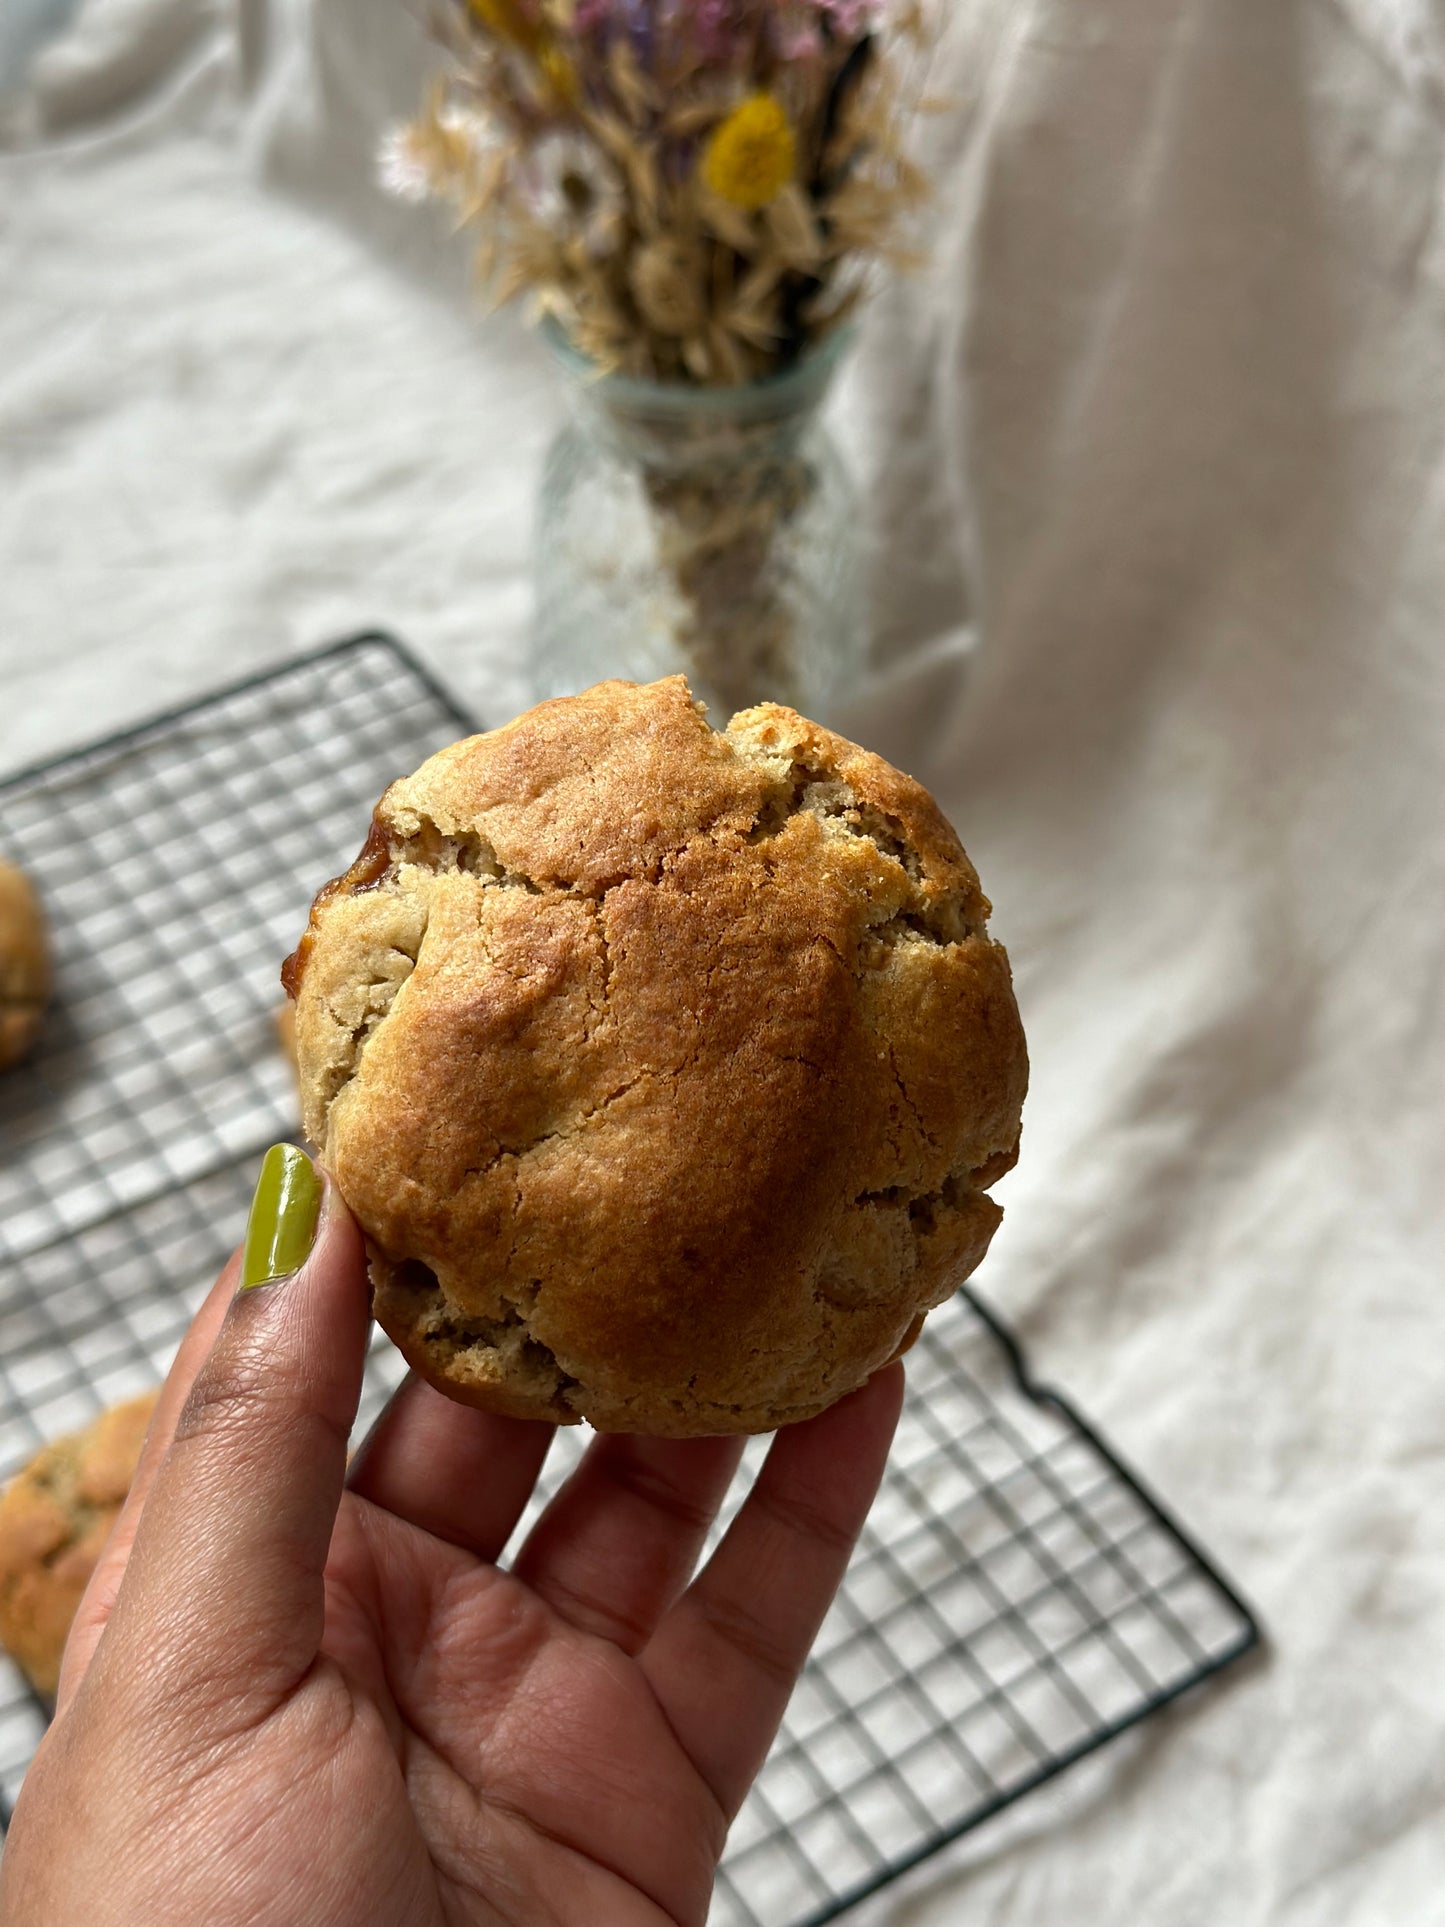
(1155, 451)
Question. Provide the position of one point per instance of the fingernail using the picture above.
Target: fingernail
(282, 1226)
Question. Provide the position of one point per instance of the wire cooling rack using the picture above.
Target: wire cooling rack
(1017, 1599)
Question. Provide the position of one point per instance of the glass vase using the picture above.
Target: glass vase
(709, 530)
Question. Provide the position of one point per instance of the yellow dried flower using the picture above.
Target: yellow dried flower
(504, 20)
(560, 74)
(751, 156)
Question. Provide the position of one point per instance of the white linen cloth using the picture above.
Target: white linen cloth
(1155, 451)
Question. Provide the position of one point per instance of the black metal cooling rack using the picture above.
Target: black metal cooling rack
(1018, 1598)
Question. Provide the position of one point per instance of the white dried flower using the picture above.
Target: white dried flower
(401, 167)
(571, 187)
(442, 153)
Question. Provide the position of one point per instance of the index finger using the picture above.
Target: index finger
(724, 1661)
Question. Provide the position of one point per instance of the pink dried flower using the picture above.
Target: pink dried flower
(716, 26)
(801, 45)
(851, 17)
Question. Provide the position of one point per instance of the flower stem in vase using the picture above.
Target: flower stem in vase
(720, 539)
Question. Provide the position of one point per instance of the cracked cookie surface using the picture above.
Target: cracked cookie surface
(665, 1069)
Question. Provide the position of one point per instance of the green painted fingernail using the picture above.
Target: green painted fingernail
(282, 1226)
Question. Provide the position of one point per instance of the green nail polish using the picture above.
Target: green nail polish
(282, 1226)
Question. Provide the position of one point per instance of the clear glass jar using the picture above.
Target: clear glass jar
(708, 530)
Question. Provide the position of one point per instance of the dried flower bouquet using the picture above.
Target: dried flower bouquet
(691, 192)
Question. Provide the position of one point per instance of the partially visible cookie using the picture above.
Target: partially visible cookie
(24, 964)
(55, 1516)
(285, 1021)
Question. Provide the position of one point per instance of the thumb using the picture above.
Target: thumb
(222, 1595)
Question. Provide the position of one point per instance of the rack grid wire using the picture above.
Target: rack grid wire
(1018, 1598)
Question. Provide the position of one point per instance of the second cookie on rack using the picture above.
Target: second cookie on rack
(55, 1517)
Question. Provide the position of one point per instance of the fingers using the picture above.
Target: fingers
(100, 1594)
(459, 1474)
(222, 1595)
(724, 1661)
(619, 1541)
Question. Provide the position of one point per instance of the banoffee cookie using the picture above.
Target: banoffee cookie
(665, 1069)
(55, 1516)
(24, 964)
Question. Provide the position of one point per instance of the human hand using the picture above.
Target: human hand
(295, 1694)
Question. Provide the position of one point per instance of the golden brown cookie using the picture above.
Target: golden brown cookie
(55, 1516)
(665, 1069)
(285, 1021)
(24, 964)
